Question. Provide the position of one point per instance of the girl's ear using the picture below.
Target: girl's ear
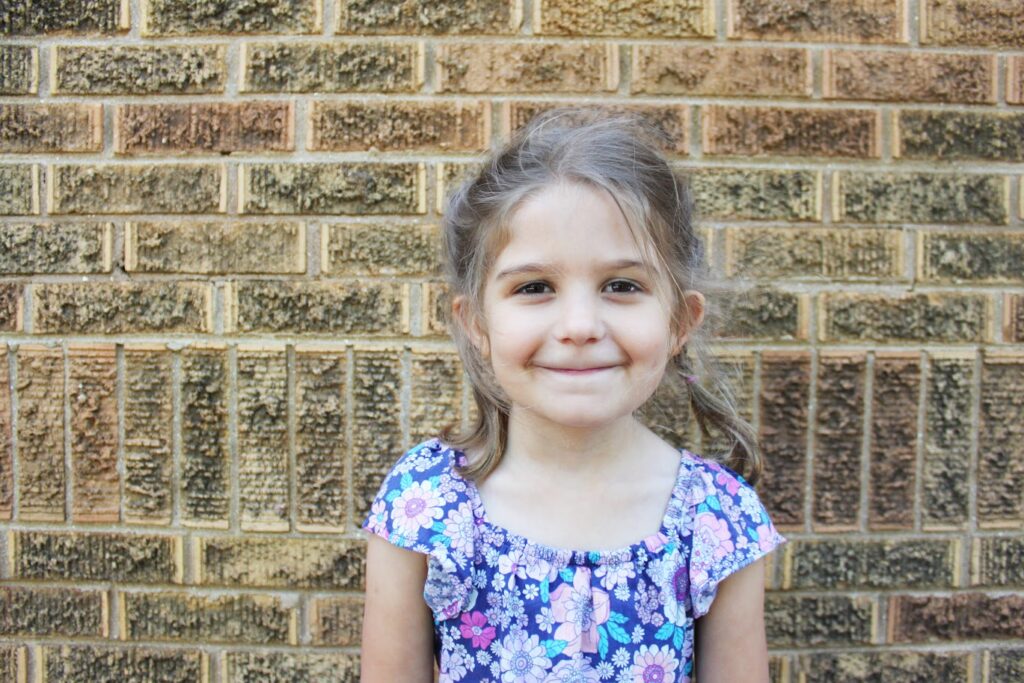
(469, 322)
(693, 315)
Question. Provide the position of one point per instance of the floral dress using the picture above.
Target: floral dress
(511, 610)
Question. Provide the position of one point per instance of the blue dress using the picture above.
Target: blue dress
(511, 610)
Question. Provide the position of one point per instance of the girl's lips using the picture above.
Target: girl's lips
(578, 371)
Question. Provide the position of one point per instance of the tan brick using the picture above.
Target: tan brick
(1015, 79)
(262, 398)
(854, 667)
(670, 121)
(461, 126)
(331, 188)
(122, 307)
(255, 619)
(212, 128)
(291, 667)
(277, 247)
(336, 620)
(318, 307)
(28, 248)
(870, 563)
(205, 450)
(282, 563)
(145, 188)
(186, 17)
(844, 21)
(784, 409)
(148, 419)
(40, 128)
(757, 194)
(947, 440)
(868, 197)
(380, 249)
(1013, 317)
(449, 177)
(738, 368)
(838, 435)
(435, 309)
(19, 70)
(997, 561)
(376, 422)
(956, 135)
(11, 301)
(970, 256)
(128, 558)
(814, 253)
(138, 70)
(13, 663)
(999, 23)
(435, 393)
(321, 468)
(835, 620)
(909, 77)
(27, 18)
(105, 664)
(930, 317)
(527, 67)
(39, 381)
(765, 313)
(1003, 664)
(957, 617)
(893, 446)
(19, 189)
(422, 17)
(52, 612)
(332, 67)
(778, 131)
(1000, 446)
(6, 442)
(665, 69)
(95, 482)
(644, 19)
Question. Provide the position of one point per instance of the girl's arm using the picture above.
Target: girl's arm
(398, 630)
(730, 639)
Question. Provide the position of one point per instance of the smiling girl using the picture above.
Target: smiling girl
(559, 539)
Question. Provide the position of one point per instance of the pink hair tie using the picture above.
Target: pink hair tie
(690, 379)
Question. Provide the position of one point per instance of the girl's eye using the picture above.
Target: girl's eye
(623, 287)
(533, 288)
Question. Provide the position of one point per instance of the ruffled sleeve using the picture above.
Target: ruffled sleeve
(424, 506)
(730, 530)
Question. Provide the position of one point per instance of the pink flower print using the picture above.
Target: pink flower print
(654, 664)
(579, 609)
(731, 484)
(416, 508)
(764, 538)
(474, 626)
(656, 542)
(711, 541)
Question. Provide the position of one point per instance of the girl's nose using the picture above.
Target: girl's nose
(579, 319)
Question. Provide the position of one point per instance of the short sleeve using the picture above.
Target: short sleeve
(731, 529)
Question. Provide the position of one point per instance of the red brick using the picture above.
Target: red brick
(92, 375)
(6, 441)
(460, 126)
(909, 77)
(666, 69)
(784, 399)
(1015, 80)
(839, 21)
(779, 131)
(837, 440)
(210, 128)
(527, 67)
(955, 618)
(893, 448)
(999, 23)
(1001, 441)
(42, 128)
(40, 385)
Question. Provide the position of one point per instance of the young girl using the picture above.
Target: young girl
(559, 539)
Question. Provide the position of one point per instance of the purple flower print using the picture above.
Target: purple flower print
(654, 664)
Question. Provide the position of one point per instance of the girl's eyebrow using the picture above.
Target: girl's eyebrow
(621, 264)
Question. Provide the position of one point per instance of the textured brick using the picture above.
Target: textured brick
(148, 188)
(450, 176)
(27, 248)
(909, 77)
(277, 247)
(215, 128)
(421, 17)
(82, 17)
(10, 306)
(204, 437)
(122, 307)
(462, 126)
(837, 440)
(380, 249)
(920, 198)
(766, 314)
(330, 188)
(979, 22)
(39, 382)
(188, 17)
(40, 128)
(527, 67)
(257, 619)
(893, 446)
(19, 69)
(805, 253)
(958, 135)
(1015, 80)
(645, 19)
(878, 667)
(6, 441)
(947, 441)
(785, 131)
(970, 256)
(739, 369)
(148, 417)
(321, 479)
(282, 563)
(292, 667)
(1013, 313)
(757, 194)
(905, 317)
(263, 439)
(319, 307)
(376, 422)
(95, 482)
(672, 121)
(803, 621)
(332, 67)
(784, 401)
(667, 414)
(866, 564)
(666, 69)
(128, 558)
(52, 612)
(19, 189)
(137, 70)
(845, 21)
(956, 617)
(435, 393)
(337, 620)
(436, 305)
(102, 664)
(1003, 665)
(997, 561)
(13, 663)
(1000, 442)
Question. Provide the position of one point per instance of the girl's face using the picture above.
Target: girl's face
(576, 327)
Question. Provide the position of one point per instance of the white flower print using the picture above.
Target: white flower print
(459, 527)
(545, 619)
(575, 670)
(638, 634)
(457, 664)
(615, 574)
(416, 508)
(513, 564)
(605, 670)
(523, 658)
(654, 664)
(530, 591)
(621, 657)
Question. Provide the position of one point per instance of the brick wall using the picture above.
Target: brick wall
(219, 307)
